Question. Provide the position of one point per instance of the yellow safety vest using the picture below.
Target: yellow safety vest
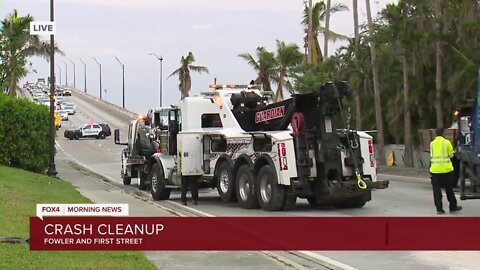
(441, 151)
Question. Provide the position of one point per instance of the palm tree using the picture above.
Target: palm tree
(327, 27)
(439, 64)
(265, 65)
(183, 73)
(376, 88)
(318, 17)
(399, 17)
(288, 57)
(356, 93)
(19, 45)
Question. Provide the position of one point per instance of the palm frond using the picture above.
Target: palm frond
(199, 69)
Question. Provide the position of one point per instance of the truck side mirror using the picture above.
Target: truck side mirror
(116, 136)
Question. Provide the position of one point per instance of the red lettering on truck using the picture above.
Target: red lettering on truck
(267, 115)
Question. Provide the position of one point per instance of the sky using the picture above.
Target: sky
(216, 31)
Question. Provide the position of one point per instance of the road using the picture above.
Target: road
(402, 198)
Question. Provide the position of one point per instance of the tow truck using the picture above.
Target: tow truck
(465, 137)
(137, 151)
(263, 154)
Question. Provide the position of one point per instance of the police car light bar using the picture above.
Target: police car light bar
(233, 86)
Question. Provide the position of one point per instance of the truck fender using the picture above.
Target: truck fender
(242, 159)
(221, 159)
(158, 160)
(264, 159)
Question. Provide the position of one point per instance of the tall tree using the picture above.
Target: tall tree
(265, 65)
(318, 17)
(356, 92)
(183, 72)
(288, 57)
(327, 27)
(376, 88)
(439, 64)
(17, 46)
(399, 17)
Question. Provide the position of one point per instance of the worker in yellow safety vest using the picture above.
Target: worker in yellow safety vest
(441, 170)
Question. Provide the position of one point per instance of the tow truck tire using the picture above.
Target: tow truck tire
(127, 180)
(355, 202)
(157, 182)
(271, 196)
(290, 199)
(76, 136)
(143, 183)
(226, 183)
(246, 188)
(312, 201)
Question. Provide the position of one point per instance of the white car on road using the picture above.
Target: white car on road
(70, 108)
(63, 114)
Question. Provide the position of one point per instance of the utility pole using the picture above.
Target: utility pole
(52, 171)
(123, 81)
(74, 71)
(66, 72)
(84, 75)
(60, 72)
(159, 58)
(100, 67)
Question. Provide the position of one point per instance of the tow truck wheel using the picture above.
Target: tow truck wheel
(271, 196)
(126, 180)
(225, 183)
(312, 201)
(157, 181)
(143, 184)
(246, 188)
(290, 199)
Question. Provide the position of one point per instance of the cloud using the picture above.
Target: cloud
(201, 27)
(197, 5)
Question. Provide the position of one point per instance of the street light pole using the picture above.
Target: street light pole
(60, 76)
(66, 72)
(100, 66)
(123, 81)
(160, 58)
(52, 171)
(74, 77)
(84, 75)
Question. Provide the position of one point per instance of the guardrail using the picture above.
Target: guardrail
(110, 105)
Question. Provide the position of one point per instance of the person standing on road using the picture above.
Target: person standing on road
(193, 181)
(441, 170)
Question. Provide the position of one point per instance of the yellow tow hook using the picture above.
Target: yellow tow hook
(361, 184)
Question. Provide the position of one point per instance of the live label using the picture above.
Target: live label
(42, 28)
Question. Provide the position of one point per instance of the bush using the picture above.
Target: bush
(24, 134)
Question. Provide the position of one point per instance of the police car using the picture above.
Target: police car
(90, 130)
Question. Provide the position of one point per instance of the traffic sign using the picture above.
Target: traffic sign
(42, 28)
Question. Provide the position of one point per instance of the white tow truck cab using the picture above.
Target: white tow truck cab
(263, 154)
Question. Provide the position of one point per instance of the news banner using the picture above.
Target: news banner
(109, 227)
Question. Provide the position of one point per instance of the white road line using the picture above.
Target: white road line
(192, 209)
(327, 260)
